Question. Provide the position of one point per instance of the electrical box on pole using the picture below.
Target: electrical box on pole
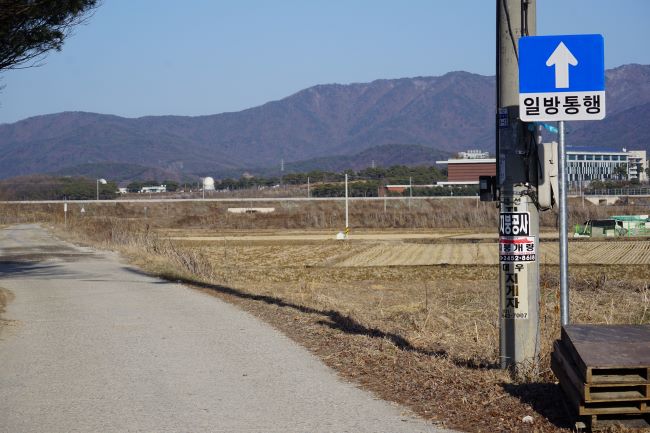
(517, 178)
(547, 186)
(487, 186)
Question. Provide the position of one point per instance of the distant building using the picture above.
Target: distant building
(473, 154)
(586, 164)
(637, 161)
(153, 189)
(399, 189)
(466, 169)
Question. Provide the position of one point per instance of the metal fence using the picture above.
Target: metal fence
(619, 191)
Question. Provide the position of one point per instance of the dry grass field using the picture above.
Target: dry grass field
(411, 317)
(422, 334)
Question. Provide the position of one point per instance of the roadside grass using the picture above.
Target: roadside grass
(320, 215)
(6, 296)
(422, 336)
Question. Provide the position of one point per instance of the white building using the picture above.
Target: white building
(587, 164)
(473, 154)
(154, 189)
(637, 161)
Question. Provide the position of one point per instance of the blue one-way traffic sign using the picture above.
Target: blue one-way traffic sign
(562, 77)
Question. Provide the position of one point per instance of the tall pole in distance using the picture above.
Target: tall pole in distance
(308, 189)
(347, 209)
(98, 181)
(517, 177)
(282, 172)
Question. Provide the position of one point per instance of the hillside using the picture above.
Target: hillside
(120, 171)
(627, 128)
(448, 113)
(382, 156)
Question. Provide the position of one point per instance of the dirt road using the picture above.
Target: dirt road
(95, 345)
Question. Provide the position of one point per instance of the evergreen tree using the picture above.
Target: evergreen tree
(31, 28)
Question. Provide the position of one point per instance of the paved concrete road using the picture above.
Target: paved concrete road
(95, 346)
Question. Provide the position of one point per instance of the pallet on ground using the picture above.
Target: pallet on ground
(609, 353)
(604, 370)
(610, 387)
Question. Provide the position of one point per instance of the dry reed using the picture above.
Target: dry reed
(412, 334)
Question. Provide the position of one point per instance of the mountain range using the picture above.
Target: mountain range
(332, 126)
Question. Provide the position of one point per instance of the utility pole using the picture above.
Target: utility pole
(347, 209)
(516, 177)
(282, 172)
(308, 189)
(98, 181)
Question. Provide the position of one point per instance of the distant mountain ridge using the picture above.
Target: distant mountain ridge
(449, 113)
(381, 156)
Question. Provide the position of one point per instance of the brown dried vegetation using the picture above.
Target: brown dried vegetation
(423, 336)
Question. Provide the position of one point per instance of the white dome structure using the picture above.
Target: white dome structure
(208, 184)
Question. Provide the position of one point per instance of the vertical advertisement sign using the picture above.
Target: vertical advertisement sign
(517, 248)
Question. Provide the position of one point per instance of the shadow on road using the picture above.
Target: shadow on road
(39, 260)
(18, 268)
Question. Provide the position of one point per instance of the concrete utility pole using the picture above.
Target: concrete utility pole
(516, 177)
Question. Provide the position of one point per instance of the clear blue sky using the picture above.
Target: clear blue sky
(195, 57)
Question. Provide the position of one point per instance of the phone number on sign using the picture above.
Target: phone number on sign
(510, 315)
(517, 258)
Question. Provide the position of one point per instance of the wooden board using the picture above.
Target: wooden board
(581, 408)
(601, 422)
(618, 394)
(612, 390)
(566, 372)
(573, 398)
(609, 353)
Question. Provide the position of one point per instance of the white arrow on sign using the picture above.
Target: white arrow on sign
(561, 59)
